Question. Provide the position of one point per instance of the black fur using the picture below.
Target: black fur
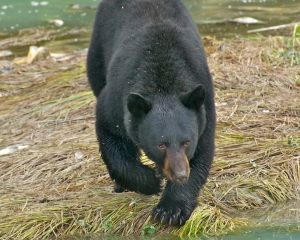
(147, 67)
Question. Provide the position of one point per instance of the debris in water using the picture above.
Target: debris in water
(34, 4)
(77, 7)
(245, 20)
(56, 22)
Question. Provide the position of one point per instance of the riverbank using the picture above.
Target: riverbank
(53, 184)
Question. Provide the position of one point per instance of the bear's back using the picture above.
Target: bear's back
(157, 40)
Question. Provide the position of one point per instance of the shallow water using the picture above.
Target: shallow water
(269, 12)
(279, 221)
(266, 233)
(19, 14)
(210, 16)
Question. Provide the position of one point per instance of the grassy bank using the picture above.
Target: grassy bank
(53, 183)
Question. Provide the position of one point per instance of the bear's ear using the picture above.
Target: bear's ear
(194, 99)
(137, 105)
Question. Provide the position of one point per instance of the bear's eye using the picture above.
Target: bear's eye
(162, 146)
(186, 143)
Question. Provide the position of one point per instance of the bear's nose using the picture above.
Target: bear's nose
(181, 180)
(181, 177)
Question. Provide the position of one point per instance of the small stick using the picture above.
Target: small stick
(273, 27)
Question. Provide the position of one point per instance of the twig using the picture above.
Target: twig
(273, 27)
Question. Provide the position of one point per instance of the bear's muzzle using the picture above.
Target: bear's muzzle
(176, 166)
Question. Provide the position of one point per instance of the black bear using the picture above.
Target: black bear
(147, 67)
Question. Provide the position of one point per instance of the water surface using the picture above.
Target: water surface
(19, 14)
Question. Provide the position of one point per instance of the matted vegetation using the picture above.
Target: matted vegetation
(57, 185)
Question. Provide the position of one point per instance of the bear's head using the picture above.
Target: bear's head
(167, 128)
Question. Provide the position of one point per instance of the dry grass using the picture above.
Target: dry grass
(49, 190)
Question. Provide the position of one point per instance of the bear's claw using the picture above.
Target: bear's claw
(172, 216)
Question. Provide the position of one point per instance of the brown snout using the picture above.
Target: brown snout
(176, 166)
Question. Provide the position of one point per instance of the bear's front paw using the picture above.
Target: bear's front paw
(173, 213)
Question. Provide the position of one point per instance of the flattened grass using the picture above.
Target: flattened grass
(58, 187)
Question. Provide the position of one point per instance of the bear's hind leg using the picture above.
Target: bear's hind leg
(121, 157)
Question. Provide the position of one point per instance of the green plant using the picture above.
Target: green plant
(296, 41)
(148, 230)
